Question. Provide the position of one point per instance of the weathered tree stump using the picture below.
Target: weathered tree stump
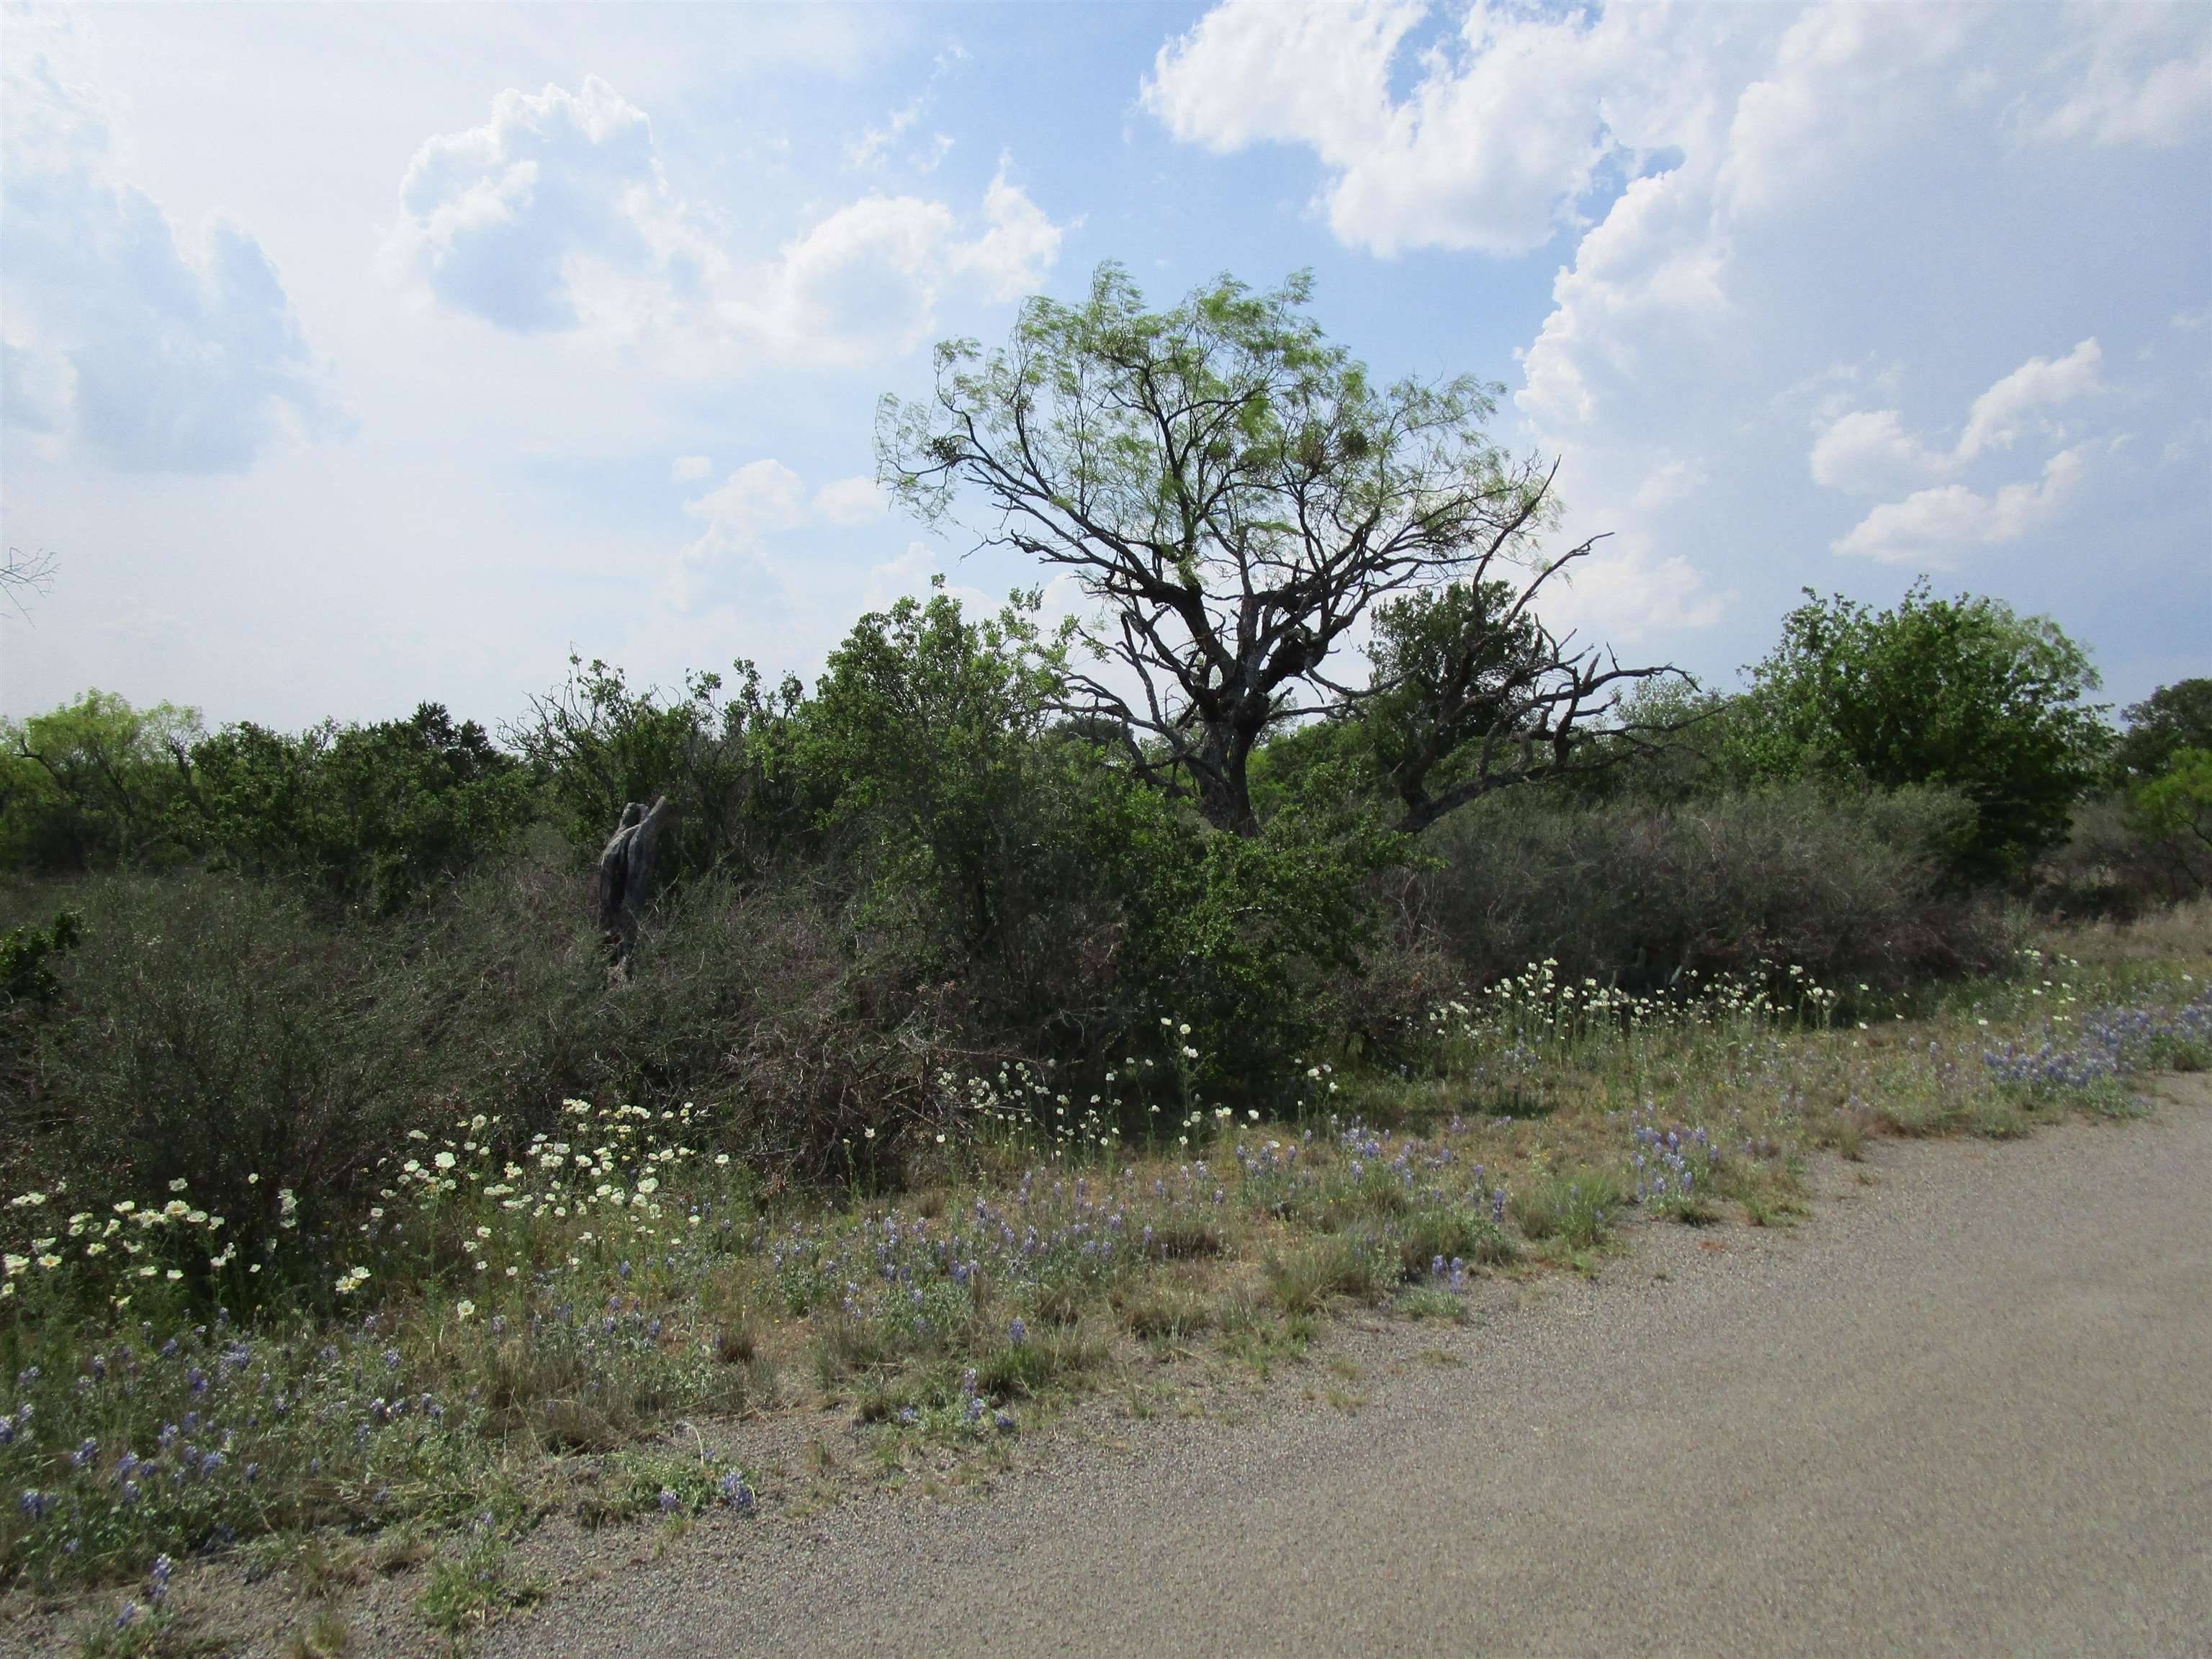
(626, 877)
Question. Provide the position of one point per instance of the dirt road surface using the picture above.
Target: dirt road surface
(1965, 1408)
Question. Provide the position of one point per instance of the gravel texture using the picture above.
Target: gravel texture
(1966, 1407)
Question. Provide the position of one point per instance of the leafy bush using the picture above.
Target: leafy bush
(723, 757)
(25, 955)
(1959, 693)
(2172, 718)
(1849, 888)
(94, 784)
(375, 815)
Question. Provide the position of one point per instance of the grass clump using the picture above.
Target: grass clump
(1578, 1207)
(474, 1586)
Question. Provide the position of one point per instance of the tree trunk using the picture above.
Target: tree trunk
(626, 878)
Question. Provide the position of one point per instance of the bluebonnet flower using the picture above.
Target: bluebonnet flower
(157, 1581)
(1004, 1419)
(1017, 1333)
(86, 1450)
(736, 1493)
(33, 1503)
(669, 1501)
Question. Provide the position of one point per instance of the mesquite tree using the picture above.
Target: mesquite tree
(1235, 495)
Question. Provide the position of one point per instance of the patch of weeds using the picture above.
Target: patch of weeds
(2175, 1052)
(1185, 1238)
(1920, 1116)
(1675, 1169)
(1254, 1335)
(1304, 1280)
(847, 1345)
(654, 1481)
(2001, 1117)
(399, 1548)
(468, 1592)
(1765, 1207)
(1030, 1362)
(1845, 1134)
(1163, 1316)
(324, 1565)
(150, 1626)
(324, 1637)
(1571, 1208)
(1433, 1302)
(1438, 1233)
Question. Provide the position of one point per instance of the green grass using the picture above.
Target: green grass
(474, 1586)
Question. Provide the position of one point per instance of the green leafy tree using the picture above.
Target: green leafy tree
(924, 735)
(2175, 806)
(95, 783)
(1960, 692)
(720, 752)
(1237, 496)
(377, 814)
(2172, 718)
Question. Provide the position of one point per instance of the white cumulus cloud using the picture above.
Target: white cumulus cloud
(2000, 414)
(739, 514)
(1930, 527)
(849, 500)
(1499, 137)
(2133, 74)
(557, 214)
(154, 348)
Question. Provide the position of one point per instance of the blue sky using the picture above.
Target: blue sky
(355, 356)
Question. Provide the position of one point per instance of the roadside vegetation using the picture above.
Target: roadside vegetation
(1000, 1033)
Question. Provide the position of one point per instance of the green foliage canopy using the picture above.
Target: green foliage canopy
(1231, 488)
(1961, 692)
(2172, 718)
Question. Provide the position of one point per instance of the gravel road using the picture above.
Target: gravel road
(1966, 1408)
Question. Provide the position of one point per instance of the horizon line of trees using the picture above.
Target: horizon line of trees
(922, 711)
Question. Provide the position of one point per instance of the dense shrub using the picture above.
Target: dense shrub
(1847, 886)
(2132, 850)
(2172, 718)
(375, 815)
(1958, 693)
(217, 1028)
(93, 784)
(722, 755)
